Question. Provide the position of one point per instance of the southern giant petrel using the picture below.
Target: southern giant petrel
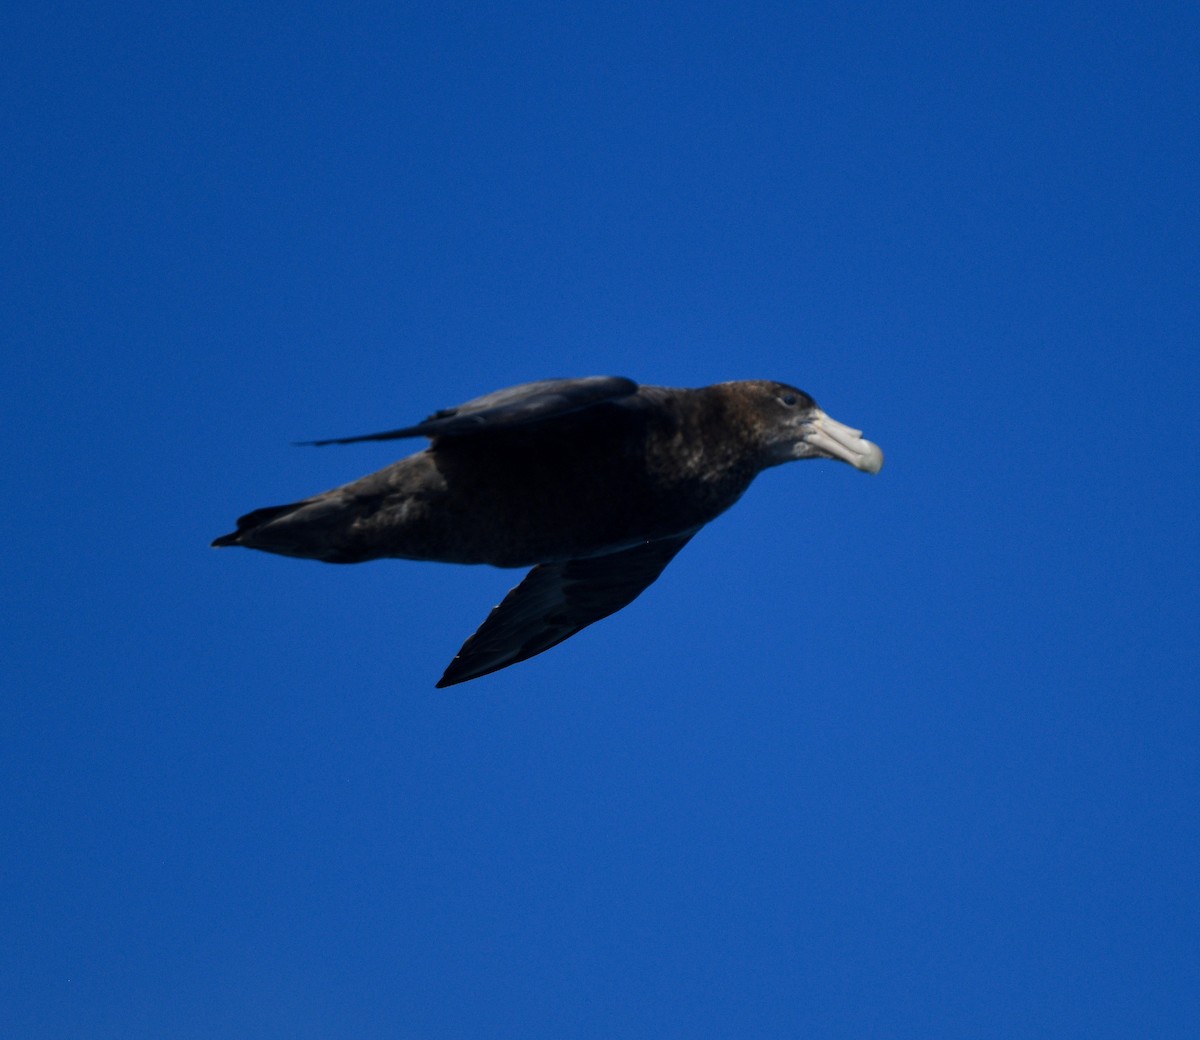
(595, 483)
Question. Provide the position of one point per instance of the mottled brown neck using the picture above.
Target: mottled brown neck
(711, 437)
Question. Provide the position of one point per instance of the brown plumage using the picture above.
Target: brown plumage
(595, 483)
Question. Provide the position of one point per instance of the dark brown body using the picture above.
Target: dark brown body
(608, 479)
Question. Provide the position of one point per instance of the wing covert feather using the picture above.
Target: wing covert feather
(523, 405)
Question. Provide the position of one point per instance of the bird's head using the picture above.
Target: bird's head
(791, 426)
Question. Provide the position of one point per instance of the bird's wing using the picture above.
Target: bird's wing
(509, 408)
(556, 600)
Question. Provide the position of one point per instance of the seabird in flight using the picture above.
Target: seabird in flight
(595, 483)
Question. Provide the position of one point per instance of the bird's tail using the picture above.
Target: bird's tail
(248, 524)
(318, 528)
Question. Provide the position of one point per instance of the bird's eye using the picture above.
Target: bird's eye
(788, 399)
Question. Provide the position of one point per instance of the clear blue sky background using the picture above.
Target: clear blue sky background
(905, 756)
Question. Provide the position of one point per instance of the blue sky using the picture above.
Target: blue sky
(905, 756)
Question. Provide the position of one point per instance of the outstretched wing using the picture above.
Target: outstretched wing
(512, 407)
(555, 601)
